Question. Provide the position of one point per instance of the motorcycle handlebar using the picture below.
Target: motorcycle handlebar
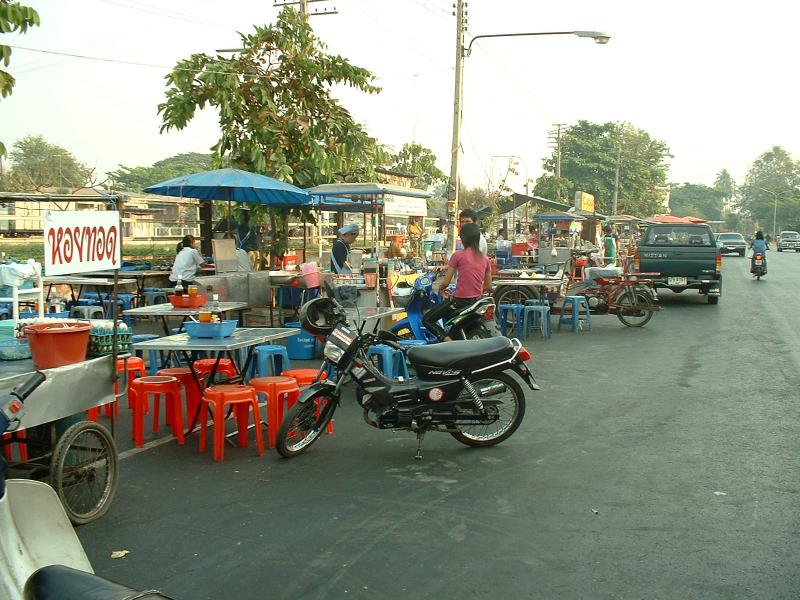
(25, 389)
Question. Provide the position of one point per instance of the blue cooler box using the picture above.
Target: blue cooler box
(301, 346)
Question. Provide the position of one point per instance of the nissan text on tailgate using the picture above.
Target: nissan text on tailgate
(685, 256)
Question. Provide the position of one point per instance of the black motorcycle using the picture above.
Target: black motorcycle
(463, 388)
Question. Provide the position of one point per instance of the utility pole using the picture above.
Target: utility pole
(616, 182)
(555, 140)
(304, 12)
(452, 196)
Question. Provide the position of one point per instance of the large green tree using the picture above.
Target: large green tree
(14, 17)
(135, 179)
(419, 161)
(277, 113)
(589, 156)
(37, 164)
(696, 200)
(770, 193)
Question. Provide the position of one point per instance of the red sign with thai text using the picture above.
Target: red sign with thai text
(81, 242)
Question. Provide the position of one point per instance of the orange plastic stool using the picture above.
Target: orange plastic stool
(306, 377)
(578, 268)
(203, 367)
(193, 395)
(276, 389)
(22, 447)
(242, 398)
(170, 387)
(135, 369)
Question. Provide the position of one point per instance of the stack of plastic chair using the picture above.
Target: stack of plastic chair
(191, 392)
(516, 312)
(573, 315)
(277, 391)
(391, 362)
(242, 398)
(537, 315)
(204, 366)
(141, 390)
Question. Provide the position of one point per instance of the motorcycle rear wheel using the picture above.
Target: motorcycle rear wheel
(627, 305)
(476, 332)
(303, 425)
(511, 410)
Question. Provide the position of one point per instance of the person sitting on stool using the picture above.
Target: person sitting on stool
(186, 262)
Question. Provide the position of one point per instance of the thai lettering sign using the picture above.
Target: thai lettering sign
(81, 241)
(403, 206)
(584, 201)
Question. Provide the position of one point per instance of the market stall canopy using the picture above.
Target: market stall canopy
(336, 204)
(672, 219)
(620, 219)
(556, 216)
(233, 185)
(365, 189)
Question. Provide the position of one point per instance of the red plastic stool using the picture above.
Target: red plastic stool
(276, 389)
(135, 369)
(193, 395)
(242, 398)
(141, 388)
(306, 377)
(203, 367)
(18, 439)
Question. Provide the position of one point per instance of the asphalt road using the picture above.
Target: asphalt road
(656, 463)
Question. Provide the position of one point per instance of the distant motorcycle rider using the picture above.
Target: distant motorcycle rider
(759, 246)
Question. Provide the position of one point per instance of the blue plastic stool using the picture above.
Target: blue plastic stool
(94, 296)
(86, 302)
(537, 316)
(518, 310)
(154, 296)
(392, 363)
(411, 343)
(153, 363)
(270, 360)
(574, 317)
(86, 312)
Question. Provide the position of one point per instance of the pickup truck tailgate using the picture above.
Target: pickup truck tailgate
(683, 261)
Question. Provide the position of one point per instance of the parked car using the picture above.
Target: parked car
(789, 240)
(731, 243)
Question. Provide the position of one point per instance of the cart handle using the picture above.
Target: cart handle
(26, 388)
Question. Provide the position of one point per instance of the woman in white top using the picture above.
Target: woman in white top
(186, 262)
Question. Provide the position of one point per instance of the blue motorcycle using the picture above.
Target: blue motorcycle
(468, 324)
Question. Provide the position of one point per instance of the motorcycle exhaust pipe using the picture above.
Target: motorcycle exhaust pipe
(491, 389)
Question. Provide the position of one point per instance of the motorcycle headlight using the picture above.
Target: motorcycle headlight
(332, 352)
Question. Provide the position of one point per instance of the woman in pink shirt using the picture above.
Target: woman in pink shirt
(474, 276)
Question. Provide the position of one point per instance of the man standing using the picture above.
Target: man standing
(468, 216)
(340, 252)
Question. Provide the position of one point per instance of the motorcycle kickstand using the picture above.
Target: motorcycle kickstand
(420, 435)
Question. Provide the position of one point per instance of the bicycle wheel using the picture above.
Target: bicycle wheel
(84, 471)
(303, 425)
(632, 307)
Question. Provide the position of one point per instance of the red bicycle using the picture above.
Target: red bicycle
(630, 297)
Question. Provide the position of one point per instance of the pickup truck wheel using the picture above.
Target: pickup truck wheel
(779, 250)
(713, 299)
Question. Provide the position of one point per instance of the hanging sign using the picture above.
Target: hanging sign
(584, 201)
(403, 206)
(81, 241)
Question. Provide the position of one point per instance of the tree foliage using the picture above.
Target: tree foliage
(419, 161)
(277, 115)
(772, 189)
(135, 179)
(14, 17)
(37, 164)
(589, 153)
(696, 200)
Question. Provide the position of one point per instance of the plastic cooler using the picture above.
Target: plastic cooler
(222, 329)
(300, 346)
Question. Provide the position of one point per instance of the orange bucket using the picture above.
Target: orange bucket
(57, 344)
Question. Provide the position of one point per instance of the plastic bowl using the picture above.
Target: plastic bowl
(187, 301)
(14, 349)
(222, 329)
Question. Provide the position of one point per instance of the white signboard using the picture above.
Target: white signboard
(403, 206)
(81, 241)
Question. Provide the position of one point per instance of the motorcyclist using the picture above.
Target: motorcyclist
(759, 246)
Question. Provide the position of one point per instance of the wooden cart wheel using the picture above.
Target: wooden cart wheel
(84, 471)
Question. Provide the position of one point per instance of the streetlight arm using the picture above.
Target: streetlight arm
(597, 36)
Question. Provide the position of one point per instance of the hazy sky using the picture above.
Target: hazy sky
(713, 79)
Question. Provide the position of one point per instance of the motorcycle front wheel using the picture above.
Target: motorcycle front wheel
(632, 308)
(303, 425)
(508, 405)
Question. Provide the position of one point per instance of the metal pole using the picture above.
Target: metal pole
(616, 182)
(452, 196)
(304, 9)
(775, 218)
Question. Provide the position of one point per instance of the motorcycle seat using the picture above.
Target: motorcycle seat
(462, 354)
(63, 583)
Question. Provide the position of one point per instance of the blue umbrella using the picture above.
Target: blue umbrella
(233, 185)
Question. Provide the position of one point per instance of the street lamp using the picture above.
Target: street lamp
(775, 195)
(461, 52)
